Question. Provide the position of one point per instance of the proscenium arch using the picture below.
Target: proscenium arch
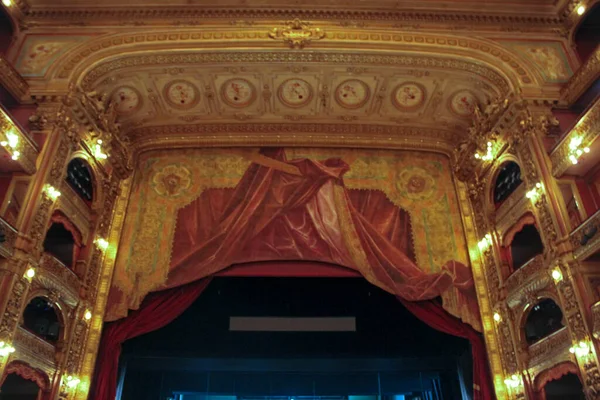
(77, 64)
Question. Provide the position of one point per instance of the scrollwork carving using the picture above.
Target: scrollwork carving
(297, 34)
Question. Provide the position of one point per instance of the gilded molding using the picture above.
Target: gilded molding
(35, 351)
(456, 45)
(585, 239)
(583, 79)
(54, 275)
(596, 320)
(550, 347)
(29, 152)
(296, 134)
(297, 34)
(7, 247)
(513, 208)
(75, 209)
(526, 281)
(14, 306)
(12, 80)
(587, 128)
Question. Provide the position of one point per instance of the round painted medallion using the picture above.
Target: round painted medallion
(181, 94)
(352, 94)
(127, 100)
(409, 96)
(295, 93)
(238, 92)
(463, 103)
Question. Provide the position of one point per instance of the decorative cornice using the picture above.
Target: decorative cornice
(12, 80)
(194, 16)
(292, 134)
(587, 128)
(583, 78)
(451, 45)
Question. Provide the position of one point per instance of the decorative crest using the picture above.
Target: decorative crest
(297, 34)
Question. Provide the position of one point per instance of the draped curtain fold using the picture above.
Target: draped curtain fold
(157, 310)
(301, 210)
(433, 314)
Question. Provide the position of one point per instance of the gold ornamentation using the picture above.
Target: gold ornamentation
(583, 78)
(172, 180)
(297, 34)
(12, 312)
(534, 270)
(557, 343)
(12, 80)
(35, 350)
(26, 149)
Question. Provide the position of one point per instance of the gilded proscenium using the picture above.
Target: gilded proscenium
(297, 34)
(587, 128)
(583, 79)
(12, 80)
(28, 151)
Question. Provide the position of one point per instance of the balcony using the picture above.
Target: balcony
(585, 239)
(35, 351)
(534, 272)
(553, 346)
(583, 78)
(7, 246)
(509, 212)
(20, 150)
(55, 275)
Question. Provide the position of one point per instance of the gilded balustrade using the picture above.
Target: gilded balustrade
(7, 246)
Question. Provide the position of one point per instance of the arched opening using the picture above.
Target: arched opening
(507, 181)
(567, 387)
(525, 245)
(63, 240)
(41, 318)
(587, 35)
(544, 319)
(16, 387)
(80, 178)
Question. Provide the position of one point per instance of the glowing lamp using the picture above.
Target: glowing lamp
(51, 192)
(581, 349)
(87, 315)
(8, 3)
(497, 317)
(101, 243)
(30, 273)
(72, 382)
(580, 10)
(557, 275)
(6, 349)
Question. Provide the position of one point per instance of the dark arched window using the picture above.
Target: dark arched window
(41, 318)
(508, 179)
(60, 243)
(16, 387)
(567, 387)
(587, 35)
(544, 319)
(79, 177)
(525, 245)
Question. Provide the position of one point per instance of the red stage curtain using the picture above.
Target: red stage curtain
(156, 311)
(301, 210)
(432, 313)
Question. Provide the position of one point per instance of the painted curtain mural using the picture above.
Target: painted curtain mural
(391, 215)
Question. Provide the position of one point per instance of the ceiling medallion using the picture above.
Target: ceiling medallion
(463, 103)
(238, 92)
(297, 34)
(181, 94)
(409, 96)
(295, 93)
(352, 94)
(127, 100)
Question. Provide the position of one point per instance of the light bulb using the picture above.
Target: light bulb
(30, 273)
(586, 149)
(8, 3)
(557, 275)
(497, 317)
(101, 243)
(580, 10)
(87, 315)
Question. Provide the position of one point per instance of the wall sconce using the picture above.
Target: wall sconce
(497, 317)
(580, 349)
(488, 156)
(72, 381)
(88, 315)
(6, 349)
(101, 243)
(580, 10)
(51, 192)
(534, 193)
(29, 274)
(557, 275)
(513, 381)
(575, 150)
(484, 243)
(11, 143)
(98, 151)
